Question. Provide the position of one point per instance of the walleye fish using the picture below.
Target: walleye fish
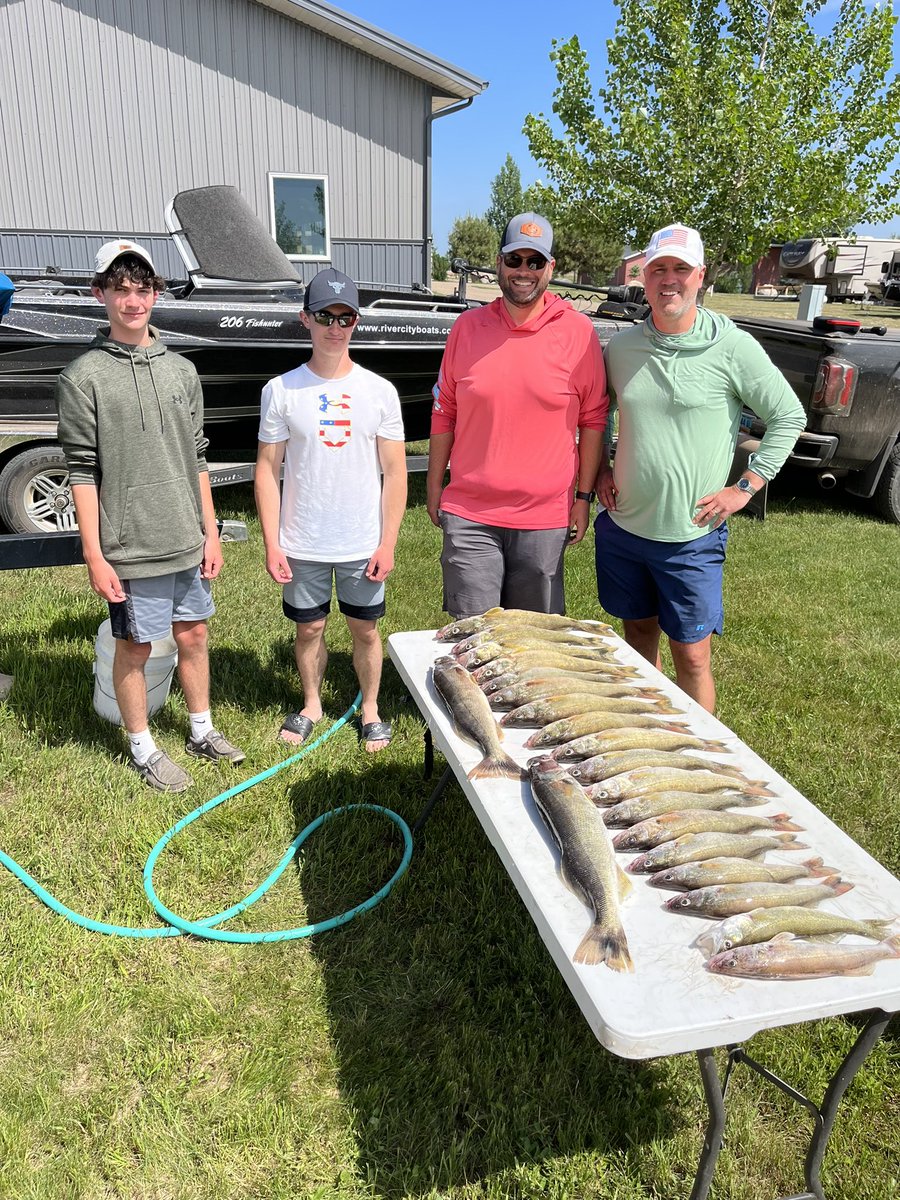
(606, 766)
(786, 957)
(713, 871)
(513, 616)
(473, 716)
(726, 899)
(635, 738)
(587, 862)
(517, 693)
(508, 635)
(668, 826)
(557, 708)
(551, 655)
(762, 924)
(661, 779)
(600, 669)
(569, 728)
(694, 847)
(655, 804)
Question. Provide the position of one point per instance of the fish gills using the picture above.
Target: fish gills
(587, 862)
(472, 714)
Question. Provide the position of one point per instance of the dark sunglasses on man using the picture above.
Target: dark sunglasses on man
(534, 263)
(345, 320)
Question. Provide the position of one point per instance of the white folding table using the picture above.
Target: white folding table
(671, 1004)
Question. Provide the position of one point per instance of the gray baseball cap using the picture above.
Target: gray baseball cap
(330, 287)
(528, 231)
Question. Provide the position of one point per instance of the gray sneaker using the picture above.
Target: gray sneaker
(161, 773)
(215, 747)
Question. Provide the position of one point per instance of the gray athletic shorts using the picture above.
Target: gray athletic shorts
(308, 596)
(151, 605)
(485, 566)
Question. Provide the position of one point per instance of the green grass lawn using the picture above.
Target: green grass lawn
(429, 1050)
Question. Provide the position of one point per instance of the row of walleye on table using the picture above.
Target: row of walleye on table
(615, 756)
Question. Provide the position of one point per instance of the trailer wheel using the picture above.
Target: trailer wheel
(887, 493)
(35, 496)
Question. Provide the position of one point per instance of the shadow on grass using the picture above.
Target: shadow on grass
(797, 491)
(459, 1046)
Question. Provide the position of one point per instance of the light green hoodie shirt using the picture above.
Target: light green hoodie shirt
(131, 423)
(679, 399)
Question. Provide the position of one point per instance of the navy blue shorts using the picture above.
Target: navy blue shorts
(679, 583)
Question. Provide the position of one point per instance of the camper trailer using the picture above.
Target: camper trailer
(850, 270)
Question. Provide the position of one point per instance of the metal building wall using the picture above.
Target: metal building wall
(118, 104)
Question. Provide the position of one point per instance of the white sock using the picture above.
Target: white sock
(201, 725)
(142, 746)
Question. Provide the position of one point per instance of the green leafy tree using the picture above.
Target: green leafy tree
(580, 246)
(440, 265)
(736, 117)
(506, 197)
(475, 240)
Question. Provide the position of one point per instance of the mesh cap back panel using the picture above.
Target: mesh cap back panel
(228, 239)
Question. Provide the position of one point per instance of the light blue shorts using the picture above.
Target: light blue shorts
(152, 605)
(308, 596)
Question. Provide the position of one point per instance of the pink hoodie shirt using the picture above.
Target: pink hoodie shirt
(513, 396)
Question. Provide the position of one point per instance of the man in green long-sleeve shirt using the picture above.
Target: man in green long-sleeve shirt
(679, 381)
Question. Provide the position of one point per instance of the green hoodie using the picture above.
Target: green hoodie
(679, 398)
(131, 423)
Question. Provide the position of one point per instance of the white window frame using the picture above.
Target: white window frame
(323, 179)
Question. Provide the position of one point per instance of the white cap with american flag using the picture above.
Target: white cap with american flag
(676, 241)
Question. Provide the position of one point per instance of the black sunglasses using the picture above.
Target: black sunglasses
(345, 320)
(534, 263)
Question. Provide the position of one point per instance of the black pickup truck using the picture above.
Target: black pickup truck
(242, 327)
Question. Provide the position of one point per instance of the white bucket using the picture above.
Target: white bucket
(157, 672)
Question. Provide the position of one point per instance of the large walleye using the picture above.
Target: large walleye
(504, 672)
(557, 708)
(694, 847)
(570, 728)
(726, 899)
(530, 690)
(661, 779)
(518, 616)
(786, 957)
(473, 716)
(762, 924)
(665, 828)
(587, 862)
(634, 738)
(712, 871)
(606, 766)
(655, 804)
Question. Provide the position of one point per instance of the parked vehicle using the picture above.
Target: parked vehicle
(850, 270)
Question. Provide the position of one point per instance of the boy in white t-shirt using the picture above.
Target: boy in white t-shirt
(337, 427)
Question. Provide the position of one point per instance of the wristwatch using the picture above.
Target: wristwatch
(744, 485)
(589, 496)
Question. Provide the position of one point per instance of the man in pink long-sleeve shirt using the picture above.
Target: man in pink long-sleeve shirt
(519, 411)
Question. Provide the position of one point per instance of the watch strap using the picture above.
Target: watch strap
(589, 496)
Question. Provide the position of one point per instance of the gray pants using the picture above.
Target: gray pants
(485, 566)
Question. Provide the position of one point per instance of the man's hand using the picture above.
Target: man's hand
(104, 581)
(713, 509)
(380, 564)
(434, 507)
(606, 488)
(212, 556)
(277, 565)
(579, 519)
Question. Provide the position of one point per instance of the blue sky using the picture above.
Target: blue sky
(509, 45)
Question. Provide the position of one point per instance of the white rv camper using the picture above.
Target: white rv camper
(849, 270)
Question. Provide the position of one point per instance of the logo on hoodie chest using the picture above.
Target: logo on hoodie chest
(177, 398)
(334, 429)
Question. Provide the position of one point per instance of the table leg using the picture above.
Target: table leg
(715, 1130)
(432, 800)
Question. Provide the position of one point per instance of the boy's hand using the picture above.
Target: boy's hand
(278, 567)
(212, 556)
(380, 564)
(105, 582)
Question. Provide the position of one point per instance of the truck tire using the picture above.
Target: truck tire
(887, 493)
(34, 492)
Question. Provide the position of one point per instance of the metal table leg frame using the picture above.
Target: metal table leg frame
(824, 1116)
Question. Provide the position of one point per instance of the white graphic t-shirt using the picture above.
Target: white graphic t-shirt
(331, 499)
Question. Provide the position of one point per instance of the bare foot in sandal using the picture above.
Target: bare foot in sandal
(296, 727)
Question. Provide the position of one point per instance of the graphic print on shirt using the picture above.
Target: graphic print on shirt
(334, 431)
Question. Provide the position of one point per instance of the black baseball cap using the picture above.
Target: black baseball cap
(330, 287)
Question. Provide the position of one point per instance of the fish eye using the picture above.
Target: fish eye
(683, 902)
(727, 944)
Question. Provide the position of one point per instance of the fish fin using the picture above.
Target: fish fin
(625, 885)
(672, 726)
(866, 969)
(496, 768)
(841, 887)
(716, 746)
(601, 945)
(816, 868)
(894, 943)
(789, 842)
(783, 821)
(784, 936)
(758, 787)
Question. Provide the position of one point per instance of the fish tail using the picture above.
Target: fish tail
(497, 767)
(782, 821)
(838, 886)
(789, 842)
(757, 787)
(665, 705)
(673, 726)
(817, 868)
(600, 945)
(718, 747)
(893, 943)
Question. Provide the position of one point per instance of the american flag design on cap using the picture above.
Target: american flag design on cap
(334, 432)
(677, 241)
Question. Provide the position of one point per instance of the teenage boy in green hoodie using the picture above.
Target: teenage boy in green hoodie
(131, 426)
(680, 380)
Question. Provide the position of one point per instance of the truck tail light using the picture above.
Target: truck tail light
(835, 387)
